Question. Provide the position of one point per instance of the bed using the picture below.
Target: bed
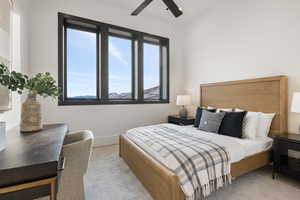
(269, 95)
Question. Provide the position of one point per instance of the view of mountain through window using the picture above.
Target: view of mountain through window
(81, 64)
(151, 71)
(82, 67)
(120, 68)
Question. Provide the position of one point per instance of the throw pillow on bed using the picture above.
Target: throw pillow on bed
(211, 107)
(199, 114)
(224, 110)
(250, 125)
(264, 124)
(220, 109)
(232, 124)
(210, 122)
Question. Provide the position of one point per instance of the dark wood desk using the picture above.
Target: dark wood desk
(31, 159)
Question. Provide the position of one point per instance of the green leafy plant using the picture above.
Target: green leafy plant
(42, 84)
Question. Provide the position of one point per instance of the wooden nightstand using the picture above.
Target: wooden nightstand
(175, 119)
(286, 154)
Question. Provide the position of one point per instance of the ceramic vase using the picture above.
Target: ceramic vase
(31, 117)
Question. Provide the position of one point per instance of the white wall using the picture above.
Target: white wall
(231, 40)
(19, 57)
(106, 121)
(240, 39)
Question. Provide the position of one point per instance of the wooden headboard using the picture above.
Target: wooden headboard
(269, 95)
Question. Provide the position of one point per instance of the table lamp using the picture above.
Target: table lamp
(183, 100)
(296, 103)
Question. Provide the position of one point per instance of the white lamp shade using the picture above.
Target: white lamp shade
(184, 100)
(296, 103)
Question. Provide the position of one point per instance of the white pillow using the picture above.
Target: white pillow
(211, 107)
(238, 110)
(250, 125)
(264, 124)
(224, 110)
(220, 109)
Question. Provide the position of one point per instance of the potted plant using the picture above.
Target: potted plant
(42, 84)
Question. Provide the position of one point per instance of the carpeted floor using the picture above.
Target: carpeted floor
(109, 178)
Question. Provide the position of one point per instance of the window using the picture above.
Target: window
(120, 68)
(151, 71)
(105, 64)
(81, 64)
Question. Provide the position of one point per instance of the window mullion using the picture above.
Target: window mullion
(61, 56)
(65, 87)
(133, 77)
(104, 63)
(168, 70)
(140, 68)
(160, 72)
(98, 65)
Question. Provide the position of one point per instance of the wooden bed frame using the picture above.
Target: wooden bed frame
(268, 95)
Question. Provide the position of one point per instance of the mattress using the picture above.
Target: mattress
(237, 148)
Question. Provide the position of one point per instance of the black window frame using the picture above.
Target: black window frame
(102, 31)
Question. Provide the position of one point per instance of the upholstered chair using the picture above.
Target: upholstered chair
(77, 151)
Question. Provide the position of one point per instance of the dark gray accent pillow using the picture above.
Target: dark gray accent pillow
(211, 122)
(199, 114)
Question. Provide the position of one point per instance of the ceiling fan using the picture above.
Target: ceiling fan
(171, 5)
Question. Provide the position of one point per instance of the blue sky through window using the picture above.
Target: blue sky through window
(151, 65)
(81, 64)
(120, 65)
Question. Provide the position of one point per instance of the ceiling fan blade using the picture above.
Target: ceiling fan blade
(173, 7)
(141, 7)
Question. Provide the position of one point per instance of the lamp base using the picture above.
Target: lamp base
(183, 113)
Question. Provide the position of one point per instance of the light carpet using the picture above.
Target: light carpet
(109, 178)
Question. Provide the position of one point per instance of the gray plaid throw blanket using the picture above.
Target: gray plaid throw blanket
(202, 166)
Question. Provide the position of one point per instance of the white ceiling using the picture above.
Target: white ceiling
(191, 8)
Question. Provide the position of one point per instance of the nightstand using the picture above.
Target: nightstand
(175, 119)
(286, 155)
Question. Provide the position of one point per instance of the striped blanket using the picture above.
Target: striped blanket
(202, 166)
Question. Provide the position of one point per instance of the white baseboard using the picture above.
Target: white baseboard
(104, 141)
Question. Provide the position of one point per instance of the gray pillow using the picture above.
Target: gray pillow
(211, 122)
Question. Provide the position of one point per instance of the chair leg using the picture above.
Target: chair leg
(53, 192)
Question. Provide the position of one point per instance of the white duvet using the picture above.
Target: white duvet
(238, 148)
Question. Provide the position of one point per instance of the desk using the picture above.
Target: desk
(29, 166)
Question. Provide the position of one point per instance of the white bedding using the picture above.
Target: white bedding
(238, 148)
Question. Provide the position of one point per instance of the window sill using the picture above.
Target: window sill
(109, 102)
